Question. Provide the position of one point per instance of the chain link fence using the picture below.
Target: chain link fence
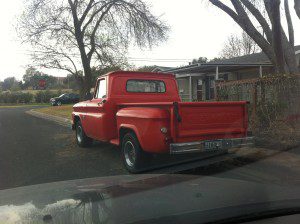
(274, 109)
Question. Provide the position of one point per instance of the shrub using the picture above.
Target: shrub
(15, 97)
(26, 98)
(45, 96)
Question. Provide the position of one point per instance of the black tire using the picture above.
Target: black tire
(58, 103)
(81, 138)
(133, 155)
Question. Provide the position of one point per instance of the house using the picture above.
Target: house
(60, 80)
(196, 82)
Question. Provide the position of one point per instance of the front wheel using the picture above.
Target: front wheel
(81, 138)
(132, 154)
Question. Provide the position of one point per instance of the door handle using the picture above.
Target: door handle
(102, 102)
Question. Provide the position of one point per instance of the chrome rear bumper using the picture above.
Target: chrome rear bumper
(210, 145)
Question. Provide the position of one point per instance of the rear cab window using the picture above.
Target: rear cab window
(145, 86)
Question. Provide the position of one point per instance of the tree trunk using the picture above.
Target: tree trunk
(290, 63)
(274, 10)
(87, 81)
(80, 82)
(87, 78)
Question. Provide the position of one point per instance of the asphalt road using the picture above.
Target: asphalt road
(33, 151)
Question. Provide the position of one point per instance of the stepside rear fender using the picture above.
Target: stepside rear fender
(147, 123)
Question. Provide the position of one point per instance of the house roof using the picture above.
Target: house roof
(231, 64)
(161, 68)
(211, 68)
(255, 58)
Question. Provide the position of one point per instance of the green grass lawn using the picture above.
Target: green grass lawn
(64, 111)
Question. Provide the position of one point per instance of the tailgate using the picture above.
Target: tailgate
(211, 120)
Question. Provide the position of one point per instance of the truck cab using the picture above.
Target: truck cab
(142, 113)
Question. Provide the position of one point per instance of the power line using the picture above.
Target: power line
(29, 53)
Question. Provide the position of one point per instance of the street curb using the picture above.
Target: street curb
(59, 120)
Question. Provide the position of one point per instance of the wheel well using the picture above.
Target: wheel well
(124, 131)
(76, 119)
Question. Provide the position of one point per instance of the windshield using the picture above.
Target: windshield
(166, 110)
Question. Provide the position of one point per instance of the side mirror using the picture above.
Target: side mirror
(88, 96)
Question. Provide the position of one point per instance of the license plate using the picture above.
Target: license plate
(212, 145)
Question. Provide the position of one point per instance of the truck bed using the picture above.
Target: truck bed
(196, 121)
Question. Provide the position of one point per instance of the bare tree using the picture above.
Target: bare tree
(74, 35)
(243, 12)
(236, 46)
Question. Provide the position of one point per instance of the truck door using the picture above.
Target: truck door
(95, 111)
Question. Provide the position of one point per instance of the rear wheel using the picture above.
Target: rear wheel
(81, 138)
(132, 154)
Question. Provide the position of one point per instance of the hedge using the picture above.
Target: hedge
(23, 98)
(45, 96)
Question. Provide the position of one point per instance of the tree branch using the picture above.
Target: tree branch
(242, 19)
(96, 13)
(86, 11)
(92, 38)
(259, 17)
(289, 23)
(297, 7)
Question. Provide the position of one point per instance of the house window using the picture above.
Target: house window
(146, 86)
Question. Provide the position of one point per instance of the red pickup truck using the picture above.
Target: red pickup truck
(142, 113)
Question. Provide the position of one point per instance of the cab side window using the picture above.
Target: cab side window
(101, 89)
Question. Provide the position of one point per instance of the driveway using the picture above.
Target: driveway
(33, 150)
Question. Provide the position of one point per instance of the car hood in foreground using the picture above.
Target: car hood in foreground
(143, 198)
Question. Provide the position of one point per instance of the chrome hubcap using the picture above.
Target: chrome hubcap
(129, 152)
(79, 134)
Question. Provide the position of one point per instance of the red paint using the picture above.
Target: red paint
(147, 113)
(42, 83)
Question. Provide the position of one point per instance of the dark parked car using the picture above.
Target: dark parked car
(65, 99)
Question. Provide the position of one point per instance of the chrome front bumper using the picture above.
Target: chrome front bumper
(210, 145)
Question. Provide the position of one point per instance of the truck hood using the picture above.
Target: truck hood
(143, 198)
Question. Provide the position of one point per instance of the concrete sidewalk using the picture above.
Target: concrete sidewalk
(59, 120)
